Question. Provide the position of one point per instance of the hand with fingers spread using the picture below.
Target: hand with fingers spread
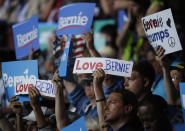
(161, 57)
(34, 95)
(98, 75)
(15, 106)
(88, 37)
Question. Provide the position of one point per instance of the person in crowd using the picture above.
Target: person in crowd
(173, 75)
(62, 118)
(153, 113)
(141, 80)
(119, 112)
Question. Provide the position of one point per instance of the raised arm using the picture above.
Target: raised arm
(100, 98)
(34, 102)
(171, 92)
(60, 111)
(17, 109)
(89, 38)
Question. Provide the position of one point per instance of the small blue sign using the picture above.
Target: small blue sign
(15, 72)
(78, 125)
(64, 68)
(75, 18)
(182, 93)
(26, 35)
(121, 19)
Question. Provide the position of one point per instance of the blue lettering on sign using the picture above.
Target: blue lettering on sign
(45, 87)
(158, 36)
(116, 66)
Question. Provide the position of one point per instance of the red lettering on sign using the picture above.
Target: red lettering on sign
(77, 66)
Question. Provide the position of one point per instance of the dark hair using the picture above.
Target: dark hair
(128, 98)
(159, 104)
(145, 70)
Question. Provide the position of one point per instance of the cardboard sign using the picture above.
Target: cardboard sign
(64, 68)
(78, 125)
(75, 18)
(45, 87)
(17, 71)
(160, 30)
(110, 66)
(26, 35)
(182, 93)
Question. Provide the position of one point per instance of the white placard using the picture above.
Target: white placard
(45, 87)
(160, 30)
(110, 66)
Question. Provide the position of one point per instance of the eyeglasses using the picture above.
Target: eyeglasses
(175, 78)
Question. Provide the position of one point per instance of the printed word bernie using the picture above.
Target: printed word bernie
(45, 87)
(27, 38)
(116, 66)
(71, 21)
(152, 23)
(10, 81)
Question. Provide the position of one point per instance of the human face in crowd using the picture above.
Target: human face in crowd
(114, 109)
(134, 83)
(89, 90)
(63, 42)
(176, 78)
(149, 118)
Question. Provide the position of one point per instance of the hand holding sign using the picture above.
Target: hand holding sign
(15, 106)
(34, 96)
(98, 76)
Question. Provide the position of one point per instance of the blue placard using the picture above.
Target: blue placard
(121, 19)
(64, 68)
(78, 125)
(26, 35)
(75, 18)
(182, 93)
(15, 72)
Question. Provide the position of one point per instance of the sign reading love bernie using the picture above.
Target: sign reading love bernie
(45, 87)
(16, 72)
(110, 66)
(75, 18)
(160, 30)
(26, 35)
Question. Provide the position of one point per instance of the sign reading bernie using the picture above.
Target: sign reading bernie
(26, 35)
(15, 72)
(45, 87)
(75, 18)
(160, 30)
(110, 66)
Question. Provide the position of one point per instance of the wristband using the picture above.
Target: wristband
(103, 99)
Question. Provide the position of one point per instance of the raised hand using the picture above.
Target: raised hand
(99, 75)
(34, 95)
(15, 106)
(89, 38)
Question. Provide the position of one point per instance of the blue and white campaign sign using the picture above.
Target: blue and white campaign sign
(26, 35)
(110, 66)
(64, 68)
(160, 30)
(45, 87)
(182, 93)
(78, 125)
(75, 18)
(17, 71)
